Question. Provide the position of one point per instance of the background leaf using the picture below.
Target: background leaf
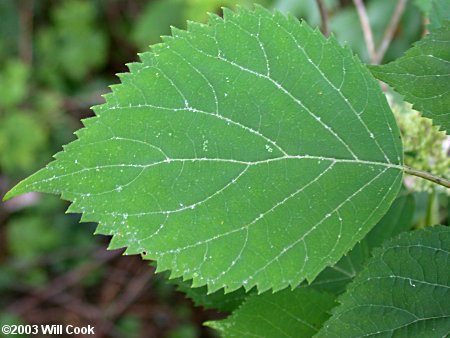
(422, 76)
(403, 291)
(439, 14)
(224, 302)
(297, 313)
(247, 152)
(437, 11)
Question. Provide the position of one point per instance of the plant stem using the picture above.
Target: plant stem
(428, 176)
(26, 31)
(390, 30)
(323, 17)
(431, 206)
(426, 22)
(367, 31)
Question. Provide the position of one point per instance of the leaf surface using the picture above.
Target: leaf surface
(247, 152)
(397, 220)
(297, 313)
(404, 291)
(422, 75)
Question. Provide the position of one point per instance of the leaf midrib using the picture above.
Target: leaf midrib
(224, 160)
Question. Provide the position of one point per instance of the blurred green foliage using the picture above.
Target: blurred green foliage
(56, 60)
(13, 83)
(73, 45)
(9, 29)
(156, 20)
(22, 137)
(159, 15)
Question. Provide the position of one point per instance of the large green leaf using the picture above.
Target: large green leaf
(422, 75)
(404, 291)
(297, 313)
(249, 151)
(397, 220)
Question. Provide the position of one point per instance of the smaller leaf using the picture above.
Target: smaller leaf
(218, 300)
(422, 76)
(404, 291)
(224, 302)
(297, 313)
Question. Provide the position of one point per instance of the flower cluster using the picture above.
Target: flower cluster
(425, 147)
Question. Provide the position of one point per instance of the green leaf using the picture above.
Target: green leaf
(424, 5)
(404, 291)
(436, 10)
(422, 76)
(439, 14)
(218, 300)
(224, 302)
(247, 152)
(397, 220)
(297, 313)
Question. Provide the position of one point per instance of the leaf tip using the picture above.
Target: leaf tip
(19, 189)
(10, 194)
(213, 324)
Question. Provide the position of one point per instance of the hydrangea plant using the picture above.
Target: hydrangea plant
(248, 156)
